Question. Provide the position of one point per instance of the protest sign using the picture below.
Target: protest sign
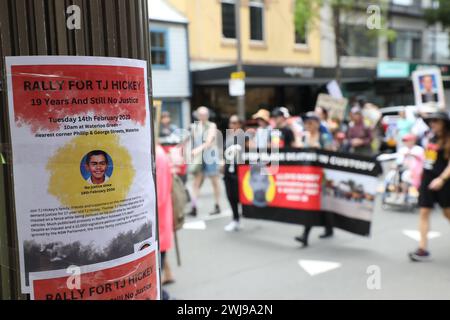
(82, 170)
(302, 186)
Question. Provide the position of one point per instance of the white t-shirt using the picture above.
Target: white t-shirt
(90, 180)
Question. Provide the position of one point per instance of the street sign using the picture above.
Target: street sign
(237, 87)
(393, 69)
(238, 75)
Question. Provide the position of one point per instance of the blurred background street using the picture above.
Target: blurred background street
(263, 261)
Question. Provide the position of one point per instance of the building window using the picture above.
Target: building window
(407, 45)
(358, 42)
(257, 20)
(160, 51)
(439, 44)
(301, 38)
(228, 19)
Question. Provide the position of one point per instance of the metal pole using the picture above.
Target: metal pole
(112, 28)
(240, 68)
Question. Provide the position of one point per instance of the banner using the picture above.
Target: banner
(83, 183)
(307, 187)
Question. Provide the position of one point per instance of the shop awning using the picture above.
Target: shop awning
(263, 75)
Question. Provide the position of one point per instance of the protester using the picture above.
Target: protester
(314, 138)
(338, 142)
(283, 136)
(234, 144)
(404, 127)
(165, 209)
(325, 123)
(435, 186)
(421, 128)
(359, 136)
(205, 156)
(166, 128)
(411, 157)
(262, 139)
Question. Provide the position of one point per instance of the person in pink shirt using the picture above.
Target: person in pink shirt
(412, 157)
(165, 208)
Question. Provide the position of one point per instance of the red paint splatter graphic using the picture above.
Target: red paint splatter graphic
(41, 92)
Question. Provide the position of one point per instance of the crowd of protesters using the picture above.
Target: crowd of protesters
(422, 144)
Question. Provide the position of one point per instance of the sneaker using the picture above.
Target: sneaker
(193, 213)
(216, 210)
(420, 255)
(233, 226)
(326, 235)
(302, 240)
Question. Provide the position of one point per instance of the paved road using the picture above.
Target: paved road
(263, 261)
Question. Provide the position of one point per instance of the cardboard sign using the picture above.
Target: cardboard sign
(428, 88)
(336, 107)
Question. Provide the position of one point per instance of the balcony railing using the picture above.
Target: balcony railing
(395, 7)
(414, 9)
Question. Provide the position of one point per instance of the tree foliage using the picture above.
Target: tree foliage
(306, 11)
(439, 13)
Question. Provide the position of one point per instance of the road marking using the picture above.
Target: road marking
(195, 225)
(200, 224)
(415, 234)
(313, 267)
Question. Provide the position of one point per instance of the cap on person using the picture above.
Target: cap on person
(311, 116)
(356, 110)
(281, 112)
(262, 114)
(438, 115)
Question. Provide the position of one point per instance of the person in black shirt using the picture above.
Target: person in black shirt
(435, 186)
(234, 146)
(282, 136)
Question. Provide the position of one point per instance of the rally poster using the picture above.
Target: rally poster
(308, 187)
(82, 170)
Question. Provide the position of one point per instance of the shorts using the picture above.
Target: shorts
(210, 169)
(429, 198)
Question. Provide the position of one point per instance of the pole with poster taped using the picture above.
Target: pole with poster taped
(63, 40)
